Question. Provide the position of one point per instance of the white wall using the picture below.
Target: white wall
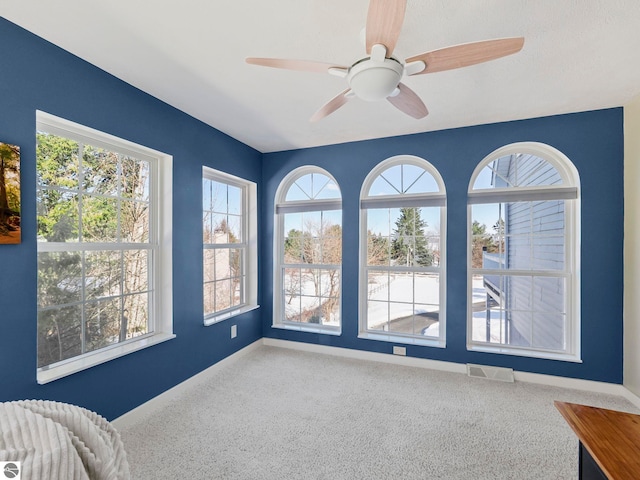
(632, 246)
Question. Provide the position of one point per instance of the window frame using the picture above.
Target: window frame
(160, 322)
(249, 245)
(281, 207)
(569, 192)
(429, 199)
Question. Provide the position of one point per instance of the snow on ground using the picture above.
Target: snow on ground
(407, 291)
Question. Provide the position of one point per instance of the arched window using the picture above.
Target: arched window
(308, 252)
(402, 241)
(524, 253)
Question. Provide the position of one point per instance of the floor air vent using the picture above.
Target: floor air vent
(492, 373)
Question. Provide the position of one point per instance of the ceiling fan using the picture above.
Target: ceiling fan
(377, 76)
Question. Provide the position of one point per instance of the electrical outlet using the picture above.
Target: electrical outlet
(234, 331)
(399, 350)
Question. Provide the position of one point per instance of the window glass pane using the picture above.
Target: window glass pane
(218, 197)
(57, 161)
(99, 219)
(220, 228)
(548, 331)
(331, 244)
(418, 180)
(403, 179)
(312, 186)
(207, 227)
(135, 178)
(294, 246)
(310, 310)
(312, 223)
(377, 315)
(209, 298)
(378, 250)
(519, 310)
(136, 314)
(206, 195)
(59, 278)
(136, 270)
(235, 262)
(58, 219)
(487, 241)
(525, 236)
(103, 274)
(381, 186)
(292, 309)
(223, 263)
(295, 194)
(223, 294)
(99, 171)
(59, 334)
(209, 264)
(517, 170)
(134, 226)
(424, 316)
(292, 221)
(234, 223)
(401, 317)
(381, 220)
(234, 199)
(102, 324)
(409, 242)
(426, 288)
(378, 285)
(329, 191)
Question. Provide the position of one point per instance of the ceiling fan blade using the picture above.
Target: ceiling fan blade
(384, 22)
(467, 54)
(409, 102)
(331, 106)
(300, 65)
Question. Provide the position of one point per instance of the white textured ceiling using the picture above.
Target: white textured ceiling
(578, 55)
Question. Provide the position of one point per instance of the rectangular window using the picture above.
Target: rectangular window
(104, 264)
(402, 272)
(229, 245)
(519, 274)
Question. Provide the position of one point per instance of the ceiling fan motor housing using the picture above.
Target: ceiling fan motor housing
(373, 80)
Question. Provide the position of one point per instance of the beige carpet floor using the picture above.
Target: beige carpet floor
(282, 414)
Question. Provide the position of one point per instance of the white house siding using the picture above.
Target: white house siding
(534, 241)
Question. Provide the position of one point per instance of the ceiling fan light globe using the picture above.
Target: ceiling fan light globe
(373, 81)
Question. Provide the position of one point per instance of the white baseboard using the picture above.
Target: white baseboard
(550, 380)
(165, 398)
(371, 356)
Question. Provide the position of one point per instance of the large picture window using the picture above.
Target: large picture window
(308, 252)
(524, 253)
(103, 262)
(229, 245)
(402, 287)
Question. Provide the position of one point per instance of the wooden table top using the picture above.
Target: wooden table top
(611, 437)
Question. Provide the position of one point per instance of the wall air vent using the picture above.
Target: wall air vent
(492, 373)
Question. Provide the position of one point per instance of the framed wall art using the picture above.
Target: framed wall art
(9, 194)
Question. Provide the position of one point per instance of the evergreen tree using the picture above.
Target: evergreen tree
(409, 246)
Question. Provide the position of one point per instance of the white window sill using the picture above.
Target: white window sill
(409, 340)
(523, 352)
(326, 330)
(88, 360)
(215, 318)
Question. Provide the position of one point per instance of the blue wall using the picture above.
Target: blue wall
(594, 143)
(38, 75)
